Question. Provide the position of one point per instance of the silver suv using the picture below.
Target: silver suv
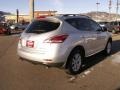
(63, 39)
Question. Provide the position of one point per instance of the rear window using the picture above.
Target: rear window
(42, 26)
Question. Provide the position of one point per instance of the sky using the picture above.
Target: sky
(62, 6)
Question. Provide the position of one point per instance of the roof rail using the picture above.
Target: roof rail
(70, 15)
(66, 15)
(84, 15)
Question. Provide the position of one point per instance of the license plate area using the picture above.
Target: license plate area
(30, 44)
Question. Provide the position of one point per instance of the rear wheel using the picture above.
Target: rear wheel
(75, 62)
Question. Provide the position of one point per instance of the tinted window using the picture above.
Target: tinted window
(115, 23)
(42, 26)
(84, 24)
(80, 23)
(95, 26)
(73, 22)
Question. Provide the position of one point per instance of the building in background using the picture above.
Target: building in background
(13, 18)
(26, 18)
(44, 13)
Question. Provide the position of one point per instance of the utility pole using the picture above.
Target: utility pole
(117, 8)
(17, 15)
(97, 8)
(31, 9)
(110, 7)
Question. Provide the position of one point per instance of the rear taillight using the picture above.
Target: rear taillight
(56, 39)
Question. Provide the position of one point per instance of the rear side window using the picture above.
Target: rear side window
(42, 26)
(73, 22)
(84, 24)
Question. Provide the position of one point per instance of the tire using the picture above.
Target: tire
(16, 28)
(75, 62)
(8, 32)
(108, 48)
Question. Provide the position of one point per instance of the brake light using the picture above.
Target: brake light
(41, 17)
(56, 39)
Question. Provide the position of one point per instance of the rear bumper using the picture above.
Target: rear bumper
(48, 64)
(58, 60)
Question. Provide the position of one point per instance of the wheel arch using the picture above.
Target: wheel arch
(110, 39)
(81, 48)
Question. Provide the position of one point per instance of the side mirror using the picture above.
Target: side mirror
(104, 29)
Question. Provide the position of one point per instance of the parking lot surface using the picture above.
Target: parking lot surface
(99, 72)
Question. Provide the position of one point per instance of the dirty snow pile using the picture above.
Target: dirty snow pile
(116, 58)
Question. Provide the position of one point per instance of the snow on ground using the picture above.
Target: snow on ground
(116, 58)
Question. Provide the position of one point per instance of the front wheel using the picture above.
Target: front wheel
(108, 48)
(75, 62)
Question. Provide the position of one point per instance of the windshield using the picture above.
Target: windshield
(42, 26)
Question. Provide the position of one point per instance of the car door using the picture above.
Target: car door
(89, 34)
(101, 36)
